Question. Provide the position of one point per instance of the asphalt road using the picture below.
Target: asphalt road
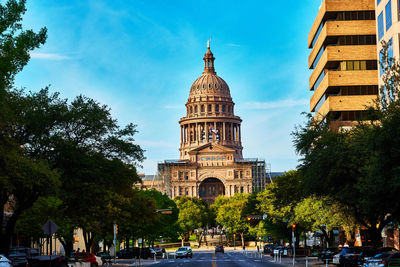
(211, 259)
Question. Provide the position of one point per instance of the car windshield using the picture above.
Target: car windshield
(182, 249)
(34, 252)
(347, 251)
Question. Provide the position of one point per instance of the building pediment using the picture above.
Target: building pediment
(211, 148)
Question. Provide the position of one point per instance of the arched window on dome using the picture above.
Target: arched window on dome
(223, 108)
(209, 85)
(209, 108)
(195, 109)
(202, 109)
(191, 110)
(216, 85)
(216, 108)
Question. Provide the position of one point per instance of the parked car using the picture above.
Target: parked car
(4, 262)
(353, 256)
(89, 257)
(269, 248)
(184, 252)
(326, 255)
(126, 254)
(219, 248)
(371, 252)
(158, 252)
(18, 256)
(382, 259)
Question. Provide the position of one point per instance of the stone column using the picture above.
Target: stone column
(240, 134)
(215, 129)
(223, 132)
(206, 132)
(231, 134)
(181, 135)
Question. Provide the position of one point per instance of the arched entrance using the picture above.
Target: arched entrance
(210, 188)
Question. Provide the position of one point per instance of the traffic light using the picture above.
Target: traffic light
(293, 227)
(166, 212)
(254, 218)
(116, 228)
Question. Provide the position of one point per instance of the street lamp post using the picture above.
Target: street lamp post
(294, 242)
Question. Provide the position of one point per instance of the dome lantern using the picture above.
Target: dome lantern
(209, 60)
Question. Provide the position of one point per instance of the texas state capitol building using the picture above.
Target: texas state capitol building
(211, 161)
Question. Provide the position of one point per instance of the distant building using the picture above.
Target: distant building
(211, 161)
(344, 61)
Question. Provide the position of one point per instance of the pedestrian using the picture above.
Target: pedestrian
(258, 249)
(244, 248)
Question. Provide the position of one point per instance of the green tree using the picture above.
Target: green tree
(323, 214)
(166, 224)
(278, 202)
(358, 169)
(193, 214)
(15, 42)
(231, 213)
(15, 45)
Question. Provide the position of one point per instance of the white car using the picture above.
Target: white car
(184, 252)
(4, 262)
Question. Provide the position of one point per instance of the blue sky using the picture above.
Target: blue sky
(141, 57)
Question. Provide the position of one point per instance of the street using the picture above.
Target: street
(208, 258)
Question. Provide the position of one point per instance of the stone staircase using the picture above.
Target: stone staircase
(212, 241)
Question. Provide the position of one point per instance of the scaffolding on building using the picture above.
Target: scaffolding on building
(260, 172)
(164, 174)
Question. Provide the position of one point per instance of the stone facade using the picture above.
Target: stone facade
(211, 161)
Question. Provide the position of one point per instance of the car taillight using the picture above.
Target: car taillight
(384, 262)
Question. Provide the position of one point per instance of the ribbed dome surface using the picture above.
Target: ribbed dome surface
(210, 84)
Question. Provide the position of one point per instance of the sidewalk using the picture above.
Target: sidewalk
(302, 262)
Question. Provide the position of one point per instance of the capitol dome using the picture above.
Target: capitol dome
(209, 84)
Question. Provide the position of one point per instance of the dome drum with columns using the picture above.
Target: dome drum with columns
(211, 161)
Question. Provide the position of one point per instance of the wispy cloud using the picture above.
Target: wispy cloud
(234, 45)
(286, 103)
(173, 106)
(48, 56)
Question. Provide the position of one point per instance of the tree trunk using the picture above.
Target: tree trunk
(376, 236)
(6, 236)
(242, 237)
(88, 237)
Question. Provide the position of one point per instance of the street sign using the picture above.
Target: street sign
(140, 240)
(50, 228)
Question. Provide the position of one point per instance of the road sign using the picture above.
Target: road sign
(140, 240)
(50, 228)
